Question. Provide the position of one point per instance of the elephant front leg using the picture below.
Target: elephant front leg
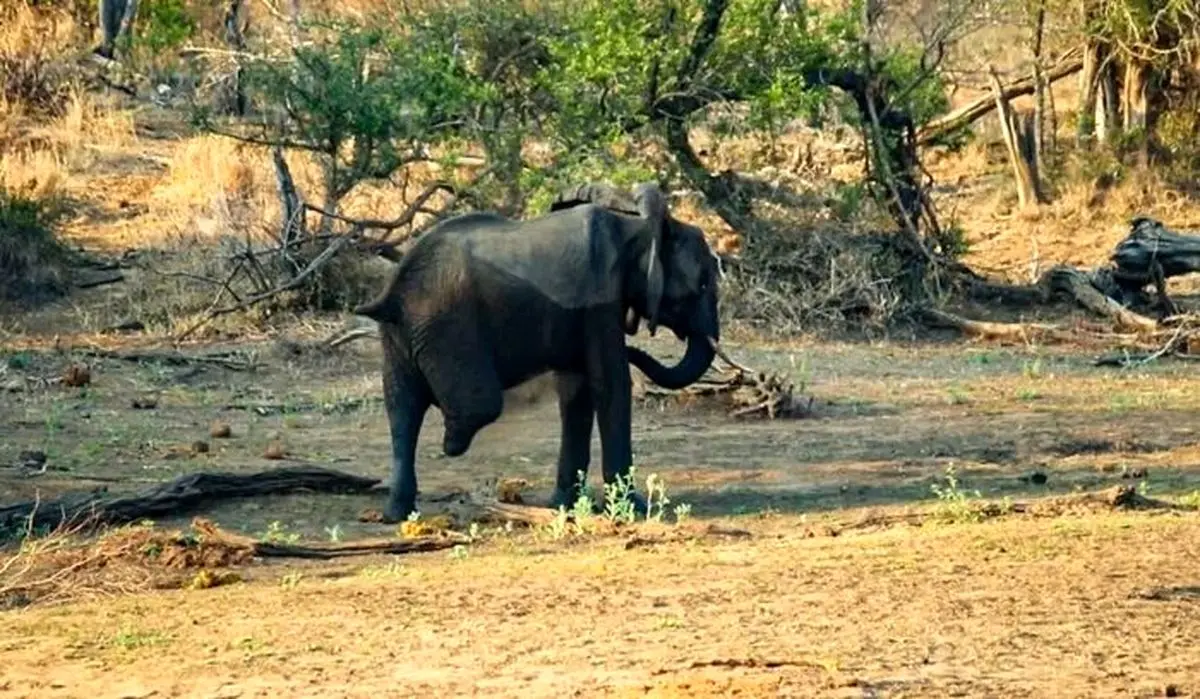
(576, 411)
(613, 392)
(406, 405)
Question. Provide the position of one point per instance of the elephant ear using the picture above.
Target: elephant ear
(595, 193)
(652, 206)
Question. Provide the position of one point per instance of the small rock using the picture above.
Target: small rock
(220, 430)
(199, 447)
(31, 458)
(370, 516)
(77, 375)
(1139, 472)
(1037, 478)
(144, 403)
(275, 450)
(1170, 691)
(508, 490)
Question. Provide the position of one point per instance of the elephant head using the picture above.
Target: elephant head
(679, 283)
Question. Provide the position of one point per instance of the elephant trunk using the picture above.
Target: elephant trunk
(691, 367)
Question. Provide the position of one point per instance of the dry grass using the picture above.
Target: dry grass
(67, 565)
(811, 266)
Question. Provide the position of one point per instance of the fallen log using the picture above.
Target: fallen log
(990, 330)
(1151, 254)
(1082, 287)
(233, 360)
(326, 551)
(180, 495)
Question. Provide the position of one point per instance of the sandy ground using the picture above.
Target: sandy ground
(833, 591)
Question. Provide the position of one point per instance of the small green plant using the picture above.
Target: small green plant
(163, 24)
(1028, 394)
(277, 533)
(979, 358)
(129, 638)
(458, 553)
(334, 533)
(682, 511)
(1191, 500)
(33, 261)
(391, 570)
(584, 510)
(958, 395)
(656, 498)
(19, 360)
(957, 505)
(557, 528)
(1032, 368)
(618, 503)
(290, 580)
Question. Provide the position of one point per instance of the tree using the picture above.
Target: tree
(627, 66)
(1141, 65)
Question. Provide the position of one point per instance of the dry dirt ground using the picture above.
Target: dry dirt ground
(836, 587)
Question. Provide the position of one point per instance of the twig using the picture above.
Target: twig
(351, 335)
(228, 360)
(406, 217)
(183, 493)
(293, 283)
(725, 357)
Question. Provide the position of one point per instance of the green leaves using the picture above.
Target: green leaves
(579, 75)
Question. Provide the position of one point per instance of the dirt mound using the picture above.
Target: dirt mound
(63, 566)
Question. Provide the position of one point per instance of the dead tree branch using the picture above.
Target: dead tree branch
(177, 496)
(1070, 64)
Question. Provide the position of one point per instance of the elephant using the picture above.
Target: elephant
(565, 289)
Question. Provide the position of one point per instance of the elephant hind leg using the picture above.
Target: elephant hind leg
(465, 387)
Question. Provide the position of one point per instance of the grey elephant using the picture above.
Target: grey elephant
(482, 303)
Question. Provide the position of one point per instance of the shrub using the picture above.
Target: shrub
(32, 259)
(30, 73)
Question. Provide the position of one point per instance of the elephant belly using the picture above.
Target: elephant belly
(534, 337)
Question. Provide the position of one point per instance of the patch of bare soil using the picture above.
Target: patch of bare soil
(754, 609)
(1063, 538)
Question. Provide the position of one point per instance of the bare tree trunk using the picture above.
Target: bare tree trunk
(116, 17)
(1019, 139)
(1053, 116)
(1108, 107)
(1039, 84)
(236, 38)
(1088, 80)
(1134, 96)
(294, 14)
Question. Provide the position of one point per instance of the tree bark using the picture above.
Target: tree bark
(1108, 104)
(116, 18)
(1039, 83)
(1085, 132)
(235, 37)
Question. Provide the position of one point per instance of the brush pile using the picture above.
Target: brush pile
(742, 392)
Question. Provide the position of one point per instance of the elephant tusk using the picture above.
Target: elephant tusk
(721, 353)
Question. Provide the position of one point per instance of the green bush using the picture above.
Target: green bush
(33, 261)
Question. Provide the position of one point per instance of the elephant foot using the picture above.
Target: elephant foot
(564, 497)
(399, 509)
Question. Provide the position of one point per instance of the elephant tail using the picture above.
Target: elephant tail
(386, 307)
